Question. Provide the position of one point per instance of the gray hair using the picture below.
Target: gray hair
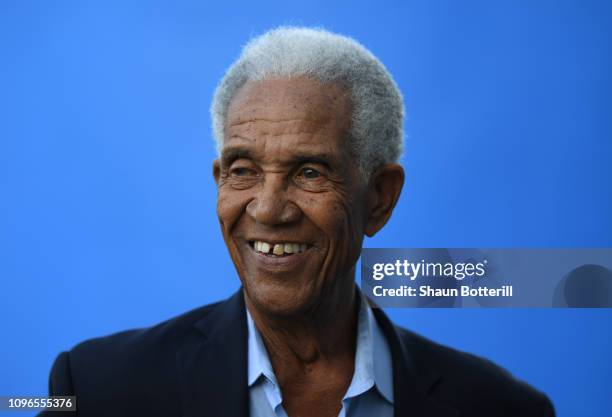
(377, 106)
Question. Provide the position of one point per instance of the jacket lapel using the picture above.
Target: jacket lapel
(412, 378)
(213, 365)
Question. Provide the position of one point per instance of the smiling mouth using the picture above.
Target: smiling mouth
(278, 250)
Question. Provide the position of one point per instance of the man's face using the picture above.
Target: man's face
(291, 200)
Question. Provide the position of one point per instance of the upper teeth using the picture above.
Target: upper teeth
(279, 248)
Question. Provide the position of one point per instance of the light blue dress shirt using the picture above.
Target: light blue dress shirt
(369, 394)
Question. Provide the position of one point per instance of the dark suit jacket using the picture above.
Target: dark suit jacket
(196, 365)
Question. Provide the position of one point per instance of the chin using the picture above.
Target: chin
(272, 300)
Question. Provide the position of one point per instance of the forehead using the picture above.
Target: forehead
(288, 114)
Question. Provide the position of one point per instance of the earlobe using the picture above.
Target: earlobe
(385, 187)
(216, 170)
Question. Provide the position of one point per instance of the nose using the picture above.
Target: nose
(271, 205)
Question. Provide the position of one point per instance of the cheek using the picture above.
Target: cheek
(230, 206)
(338, 217)
(338, 221)
(350, 230)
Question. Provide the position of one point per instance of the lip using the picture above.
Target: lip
(276, 240)
(276, 264)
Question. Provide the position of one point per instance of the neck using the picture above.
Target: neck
(325, 333)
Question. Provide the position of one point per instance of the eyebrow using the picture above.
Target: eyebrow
(314, 158)
(229, 155)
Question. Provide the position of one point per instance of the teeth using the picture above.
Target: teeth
(279, 248)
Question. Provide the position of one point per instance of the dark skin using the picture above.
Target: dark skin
(286, 175)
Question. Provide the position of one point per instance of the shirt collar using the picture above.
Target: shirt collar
(259, 361)
(373, 363)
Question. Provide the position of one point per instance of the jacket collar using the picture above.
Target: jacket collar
(413, 378)
(212, 367)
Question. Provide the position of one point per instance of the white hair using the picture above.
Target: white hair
(376, 135)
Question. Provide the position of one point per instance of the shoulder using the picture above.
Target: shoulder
(472, 384)
(132, 344)
(133, 367)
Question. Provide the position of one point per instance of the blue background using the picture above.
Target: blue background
(107, 201)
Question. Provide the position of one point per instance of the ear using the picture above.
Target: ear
(385, 187)
(216, 170)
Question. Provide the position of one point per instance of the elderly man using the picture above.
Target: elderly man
(309, 131)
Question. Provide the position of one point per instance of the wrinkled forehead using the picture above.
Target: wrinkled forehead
(287, 116)
(294, 104)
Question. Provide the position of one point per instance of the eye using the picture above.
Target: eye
(310, 173)
(242, 172)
